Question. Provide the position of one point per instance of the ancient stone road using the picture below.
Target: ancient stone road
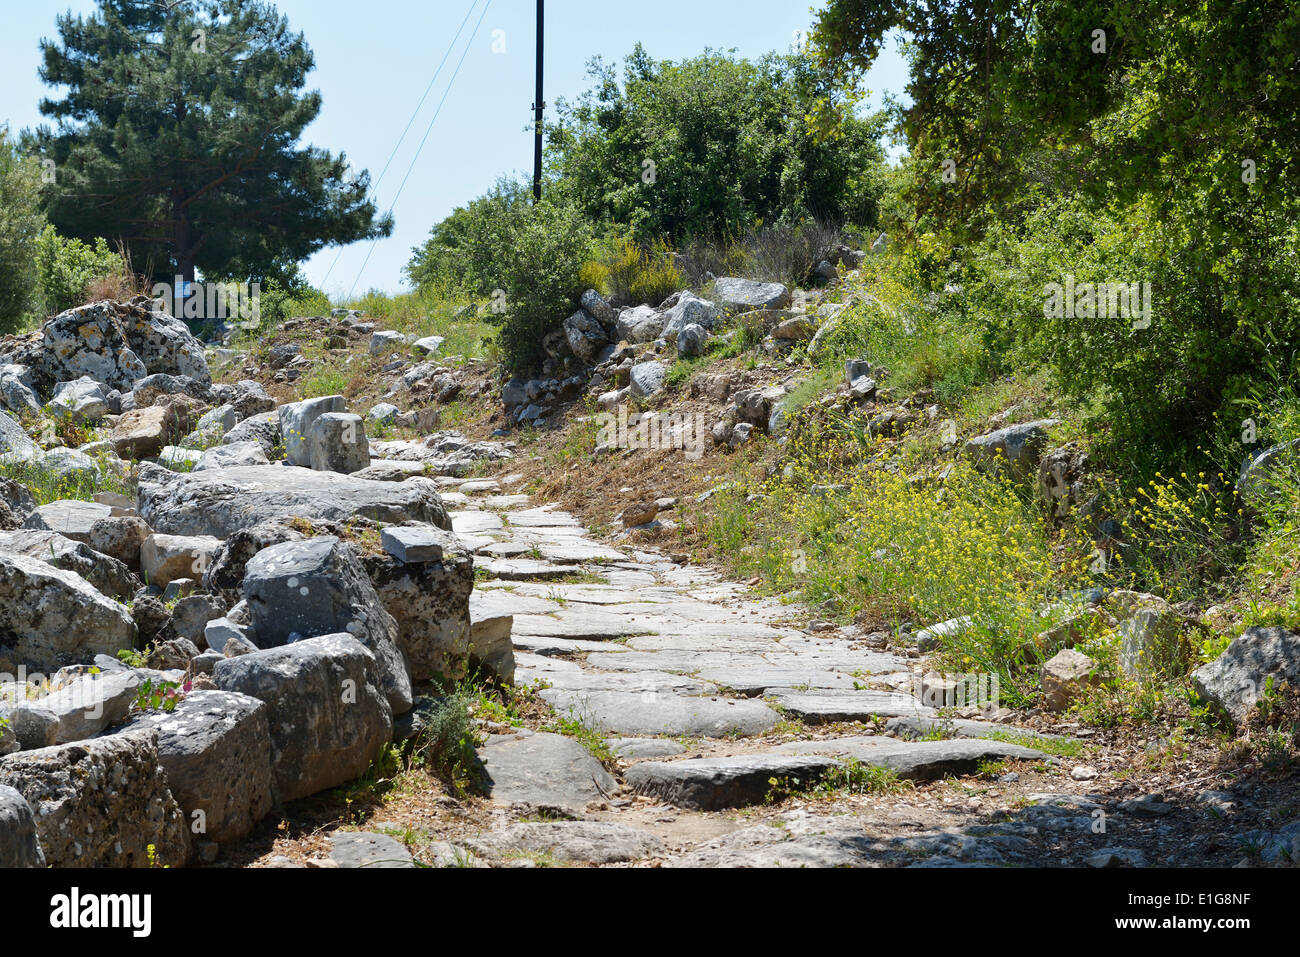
(695, 683)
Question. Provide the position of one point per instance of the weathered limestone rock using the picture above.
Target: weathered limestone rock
(192, 614)
(296, 421)
(351, 850)
(109, 576)
(218, 632)
(640, 324)
(795, 330)
(327, 716)
(692, 340)
(17, 393)
(690, 310)
(737, 294)
(383, 416)
(142, 433)
(915, 760)
(1236, 680)
(712, 784)
(120, 538)
(101, 803)
(491, 650)
(411, 544)
(648, 378)
(226, 573)
(15, 444)
(216, 750)
(50, 618)
(19, 845)
(224, 501)
(263, 429)
(585, 334)
(1016, 450)
(235, 455)
(151, 388)
(543, 773)
(429, 600)
(1063, 479)
(643, 513)
(1156, 641)
(338, 443)
(317, 587)
(1065, 677)
(249, 399)
(16, 503)
(428, 346)
(91, 341)
(164, 343)
(83, 399)
(387, 341)
(212, 427)
(80, 710)
(71, 519)
(168, 558)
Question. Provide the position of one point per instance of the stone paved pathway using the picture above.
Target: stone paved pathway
(693, 680)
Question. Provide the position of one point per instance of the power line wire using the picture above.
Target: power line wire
(411, 122)
(423, 142)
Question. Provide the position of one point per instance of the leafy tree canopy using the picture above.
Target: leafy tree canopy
(711, 145)
(178, 134)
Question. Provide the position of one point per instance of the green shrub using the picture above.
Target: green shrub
(280, 302)
(449, 739)
(466, 251)
(710, 145)
(65, 267)
(542, 280)
(21, 222)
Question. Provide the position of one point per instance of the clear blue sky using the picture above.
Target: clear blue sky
(374, 60)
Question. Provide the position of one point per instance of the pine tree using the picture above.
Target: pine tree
(179, 135)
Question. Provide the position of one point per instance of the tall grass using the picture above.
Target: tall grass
(464, 324)
(48, 485)
(785, 253)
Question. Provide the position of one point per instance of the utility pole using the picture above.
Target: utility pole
(539, 105)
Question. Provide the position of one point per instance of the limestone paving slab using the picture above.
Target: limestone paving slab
(543, 645)
(918, 760)
(586, 623)
(545, 772)
(528, 569)
(583, 842)
(639, 682)
(712, 784)
(472, 523)
(648, 714)
(759, 678)
(541, 518)
(821, 707)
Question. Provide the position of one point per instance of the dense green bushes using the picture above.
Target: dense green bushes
(681, 170)
(541, 279)
(709, 147)
(21, 222)
(527, 260)
(467, 251)
(41, 273)
(65, 268)
(1158, 149)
